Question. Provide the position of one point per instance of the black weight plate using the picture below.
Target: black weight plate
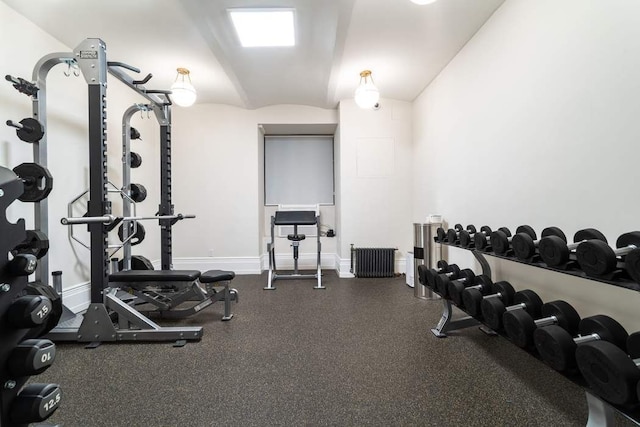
(136, 160)
(505, 230)
(492, 311)
(553, 251)
(500, 242)
(455, 270)
(138, 192)
(611, 374)
(527, 229)
(36, 243)
(633, 345)
(465, 238)
(138, 262)
(471, 300)
(505, 290)
(632, 264)
(38, 288)
(441, 233)
(134, 134)
(136, 237)
(556, 347)
(531, 300)
(485, 281)
(519, 326)
(480, 241)
(523, 246)
(554, 231)
(452, 236)
(607, 328)
(32, 130)
(471, 229)
(38, 182)
(468, 274)
(568, 317)
(596, 257)
(442, 265)
(588, 234)
(628, 239)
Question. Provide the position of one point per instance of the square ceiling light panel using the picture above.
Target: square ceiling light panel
(264, 27)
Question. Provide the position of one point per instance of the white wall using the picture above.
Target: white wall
(535, 122)
(375, 158)
(23, 45)
(218, 176)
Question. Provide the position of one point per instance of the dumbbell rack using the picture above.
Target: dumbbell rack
(601, 413)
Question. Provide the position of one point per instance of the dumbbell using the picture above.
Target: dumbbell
(520, 325)
(425, 275)
(29, 311)
(455, 234)
(472, 298)
(35, 403)
(466, 236)
(494, 308)
(482, 239)
(610, 372)
(501, 238)
(524, 245)
(23, 265)
(555, 251)
(29, 129)
(442, 281)
(430, 275)
(441, 235)
(597, 258)
(455, 288)
(136, 160)
(557, 347)
(31, 357)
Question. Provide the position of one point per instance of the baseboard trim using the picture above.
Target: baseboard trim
(77, 297)
(239, 265)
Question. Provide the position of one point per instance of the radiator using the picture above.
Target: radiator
(374, 262)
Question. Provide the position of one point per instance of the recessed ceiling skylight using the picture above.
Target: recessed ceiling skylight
(264, 27)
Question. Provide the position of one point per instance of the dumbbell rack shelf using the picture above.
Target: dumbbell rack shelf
(601, 413)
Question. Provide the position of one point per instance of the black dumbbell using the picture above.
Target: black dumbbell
(597, 258)
(29, 311)
(494, 308)
(35, 403)
(472, 298)
(454, 235)
(557, 347)
(31, 357)
(474, 293)
(524, 245)
(501, 238)
(466, 236)
(441, 281)
(610, 372)
(456, 288)
(23, 265)
(29, 129)
(425, 275)
(555, 251)
(520, 325)
(430, 275)
(482, 239)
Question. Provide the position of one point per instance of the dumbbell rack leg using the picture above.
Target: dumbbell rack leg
(446, 324)
(600, 413)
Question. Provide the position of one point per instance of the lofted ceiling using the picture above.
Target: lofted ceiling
(404, 44)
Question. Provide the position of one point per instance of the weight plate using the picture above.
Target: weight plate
(567, 316)
(467, 274)
(492, 311)
(554, 231)
(442, 264)
(136, 160)
(519, 326)
(632, 264)
(458, 227)
(607, 328)
(553, 251)
(471, 228)
(485, 229)
(136, 232)
(500, 242)
(611, 374)
(32, 130)
(134, 134)
(37, 181)
(556, 347)
(138, 262)
(485, 281)
(628, 239)
(533, 303)
(505, 230)
(36, 243)
(523, 246)
(633, 345)
(138, 192)
(527, 229)
(596, 257)
(588, 234)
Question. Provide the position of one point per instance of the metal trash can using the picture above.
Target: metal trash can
(424, 249)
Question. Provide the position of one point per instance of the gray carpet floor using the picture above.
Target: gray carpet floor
(358, 353)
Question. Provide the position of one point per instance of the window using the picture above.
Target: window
(298, 170)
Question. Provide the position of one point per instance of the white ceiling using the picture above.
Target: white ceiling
(405, 45)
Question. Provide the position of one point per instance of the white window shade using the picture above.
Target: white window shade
(298, 170)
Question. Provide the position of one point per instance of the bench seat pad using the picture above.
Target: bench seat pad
(132, 276)
(212, 276)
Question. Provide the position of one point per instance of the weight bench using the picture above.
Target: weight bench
(168, 290)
